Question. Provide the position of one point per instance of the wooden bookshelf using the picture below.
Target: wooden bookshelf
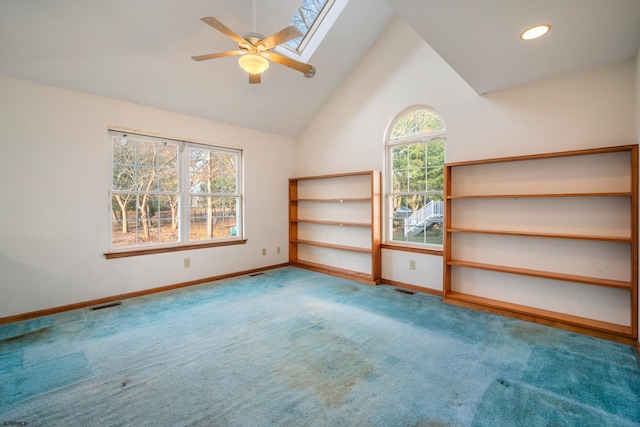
(335, 224)
(509, 218)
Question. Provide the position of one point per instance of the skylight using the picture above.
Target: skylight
(314, 19)
(307, 19)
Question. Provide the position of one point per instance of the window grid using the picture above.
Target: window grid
(166, 192)
(415, 168)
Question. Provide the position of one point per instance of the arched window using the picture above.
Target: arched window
(414, 205)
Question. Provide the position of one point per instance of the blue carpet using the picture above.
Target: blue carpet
(296, 348)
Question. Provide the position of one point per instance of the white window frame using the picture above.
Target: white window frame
(184, 193)
(389, 194)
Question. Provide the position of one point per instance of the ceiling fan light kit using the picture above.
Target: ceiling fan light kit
(255, 50)
(253, 64)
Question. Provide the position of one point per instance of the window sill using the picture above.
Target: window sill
(416, 249)
(139, 252)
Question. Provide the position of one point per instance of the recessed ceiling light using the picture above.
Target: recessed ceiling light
(535, 32)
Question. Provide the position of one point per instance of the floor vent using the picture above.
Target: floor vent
(404, 291)
(109, 305)
(256, 274)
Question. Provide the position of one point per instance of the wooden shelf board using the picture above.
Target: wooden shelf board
(332, 246)
(585, 152)
(336, 175)
(544, 314)
(340, 223)
(544, 274)
(545, 195)
(335, 200)
(335, 271)
(622, 239)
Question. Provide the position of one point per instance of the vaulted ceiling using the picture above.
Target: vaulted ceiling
(139, 51)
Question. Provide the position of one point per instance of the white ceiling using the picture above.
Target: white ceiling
(139, 51)
(480, 39)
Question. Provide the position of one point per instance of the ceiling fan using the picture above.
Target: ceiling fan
(255, 49)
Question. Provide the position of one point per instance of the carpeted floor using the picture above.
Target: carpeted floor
(292, 347)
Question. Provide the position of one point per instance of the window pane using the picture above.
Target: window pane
(197, 170)
(409, 162)
(212, 171)
(435, 178)
(417, 219)
(123, 216)
(435, 152)
(168, 180)
(146, 178)
(123, 164)
(168, 218)
(168, 167)
(148, 231)
(228, 173)
(417, 171)
(146, 152)
(417, 122)
(400, 159)
(213, 217)
(167, 157)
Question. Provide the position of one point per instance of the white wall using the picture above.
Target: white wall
(54, 178)
(593, 108)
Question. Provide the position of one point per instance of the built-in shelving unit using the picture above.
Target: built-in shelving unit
(335, 224)
(550, 238)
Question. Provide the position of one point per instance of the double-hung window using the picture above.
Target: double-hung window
(167, 193)
(414, 178)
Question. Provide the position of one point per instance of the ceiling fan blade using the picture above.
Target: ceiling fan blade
(218, 55)
(306, 69)
(284, 35)
(254, 78)
(223, 29)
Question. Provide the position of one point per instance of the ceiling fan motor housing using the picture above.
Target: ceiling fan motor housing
(253, 38)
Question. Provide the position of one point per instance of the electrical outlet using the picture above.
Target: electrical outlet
(278, 250)
(187, 262)
(412, 264)
(264, 251)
